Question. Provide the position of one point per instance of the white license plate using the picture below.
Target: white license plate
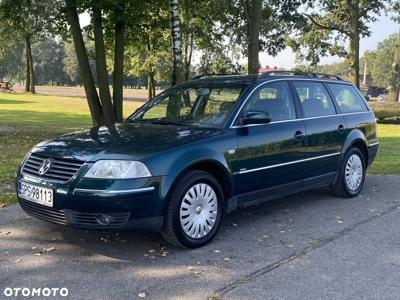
(35, 193)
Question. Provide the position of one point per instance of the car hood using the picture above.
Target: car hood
(126, 140)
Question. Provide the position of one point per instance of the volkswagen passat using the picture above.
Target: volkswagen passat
(202, 149)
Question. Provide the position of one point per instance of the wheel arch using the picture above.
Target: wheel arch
(215, 168)
(355, 139)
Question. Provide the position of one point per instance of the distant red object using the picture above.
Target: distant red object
(264, 70)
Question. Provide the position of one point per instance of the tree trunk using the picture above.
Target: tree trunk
(188, 55)
(354, 60)
(84, 66)
(177, 75)
(101, 65)
(395, 80)
(28, 66)
(118, 71)
(150, 85)
(354, 44)
(253, 12)
(31, 69)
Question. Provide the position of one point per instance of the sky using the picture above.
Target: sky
(380, 30)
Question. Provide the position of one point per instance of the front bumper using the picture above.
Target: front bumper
(91, 220)
(103, 204)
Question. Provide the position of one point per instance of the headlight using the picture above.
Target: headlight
(118, 169)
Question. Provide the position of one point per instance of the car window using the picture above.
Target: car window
(202, 105)
(347, 98)
(315, 99)
(275, 99)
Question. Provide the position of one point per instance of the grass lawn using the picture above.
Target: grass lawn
(28, 119)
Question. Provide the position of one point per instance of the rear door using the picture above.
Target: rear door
(267, 153)
(325, 129)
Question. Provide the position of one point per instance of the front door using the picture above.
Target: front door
(268, 155)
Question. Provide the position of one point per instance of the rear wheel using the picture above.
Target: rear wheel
(194, 212)
(352, 175)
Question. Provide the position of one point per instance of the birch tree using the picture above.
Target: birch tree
(177, 73)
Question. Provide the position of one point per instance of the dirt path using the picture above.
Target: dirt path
(139, 95)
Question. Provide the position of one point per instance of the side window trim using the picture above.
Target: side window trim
(296, 99)
(335, 105)
(259, 88)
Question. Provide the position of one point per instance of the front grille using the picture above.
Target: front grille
(44, 213)
(89, 220)
(61, 170)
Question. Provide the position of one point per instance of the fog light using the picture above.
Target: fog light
(104, 219)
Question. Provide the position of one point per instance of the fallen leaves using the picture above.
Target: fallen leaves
(44, 250)
(151, 253)
(142, 295)
(339, 220)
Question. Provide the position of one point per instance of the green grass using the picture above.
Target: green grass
(28, 119)
(387, 161)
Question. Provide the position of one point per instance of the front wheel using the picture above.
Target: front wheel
(352, 174)
(194, 212)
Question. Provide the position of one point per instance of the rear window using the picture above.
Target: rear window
(314, 99)
(347, 98)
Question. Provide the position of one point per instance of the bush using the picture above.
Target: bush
(386, 112)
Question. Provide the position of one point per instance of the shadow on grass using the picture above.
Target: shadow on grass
(7, 101)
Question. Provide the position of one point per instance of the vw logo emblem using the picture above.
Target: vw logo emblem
(45, 167)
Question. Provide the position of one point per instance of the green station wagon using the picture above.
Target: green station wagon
(202, 149)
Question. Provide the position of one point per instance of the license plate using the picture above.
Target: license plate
(35, 193)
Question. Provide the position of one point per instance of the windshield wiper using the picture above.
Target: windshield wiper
(166, 122)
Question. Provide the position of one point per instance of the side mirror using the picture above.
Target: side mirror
(256, 117)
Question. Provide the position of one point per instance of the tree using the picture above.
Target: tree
(257, 25)
(395, 72)
(70, 62)
(29, 20)
(332, 22)
(150, 48)
(106, 16)
(380, 61)
(176, 42)
(49, 57)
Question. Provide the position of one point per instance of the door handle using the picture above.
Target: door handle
(299, 135)
(341, 128)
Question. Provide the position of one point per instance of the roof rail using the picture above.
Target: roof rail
(299, 73)
(213, 75)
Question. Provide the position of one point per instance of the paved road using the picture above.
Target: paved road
(308, 246)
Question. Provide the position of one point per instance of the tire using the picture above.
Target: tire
(194, 212)
(349, 185)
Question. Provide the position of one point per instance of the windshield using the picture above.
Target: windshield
(204, 105)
